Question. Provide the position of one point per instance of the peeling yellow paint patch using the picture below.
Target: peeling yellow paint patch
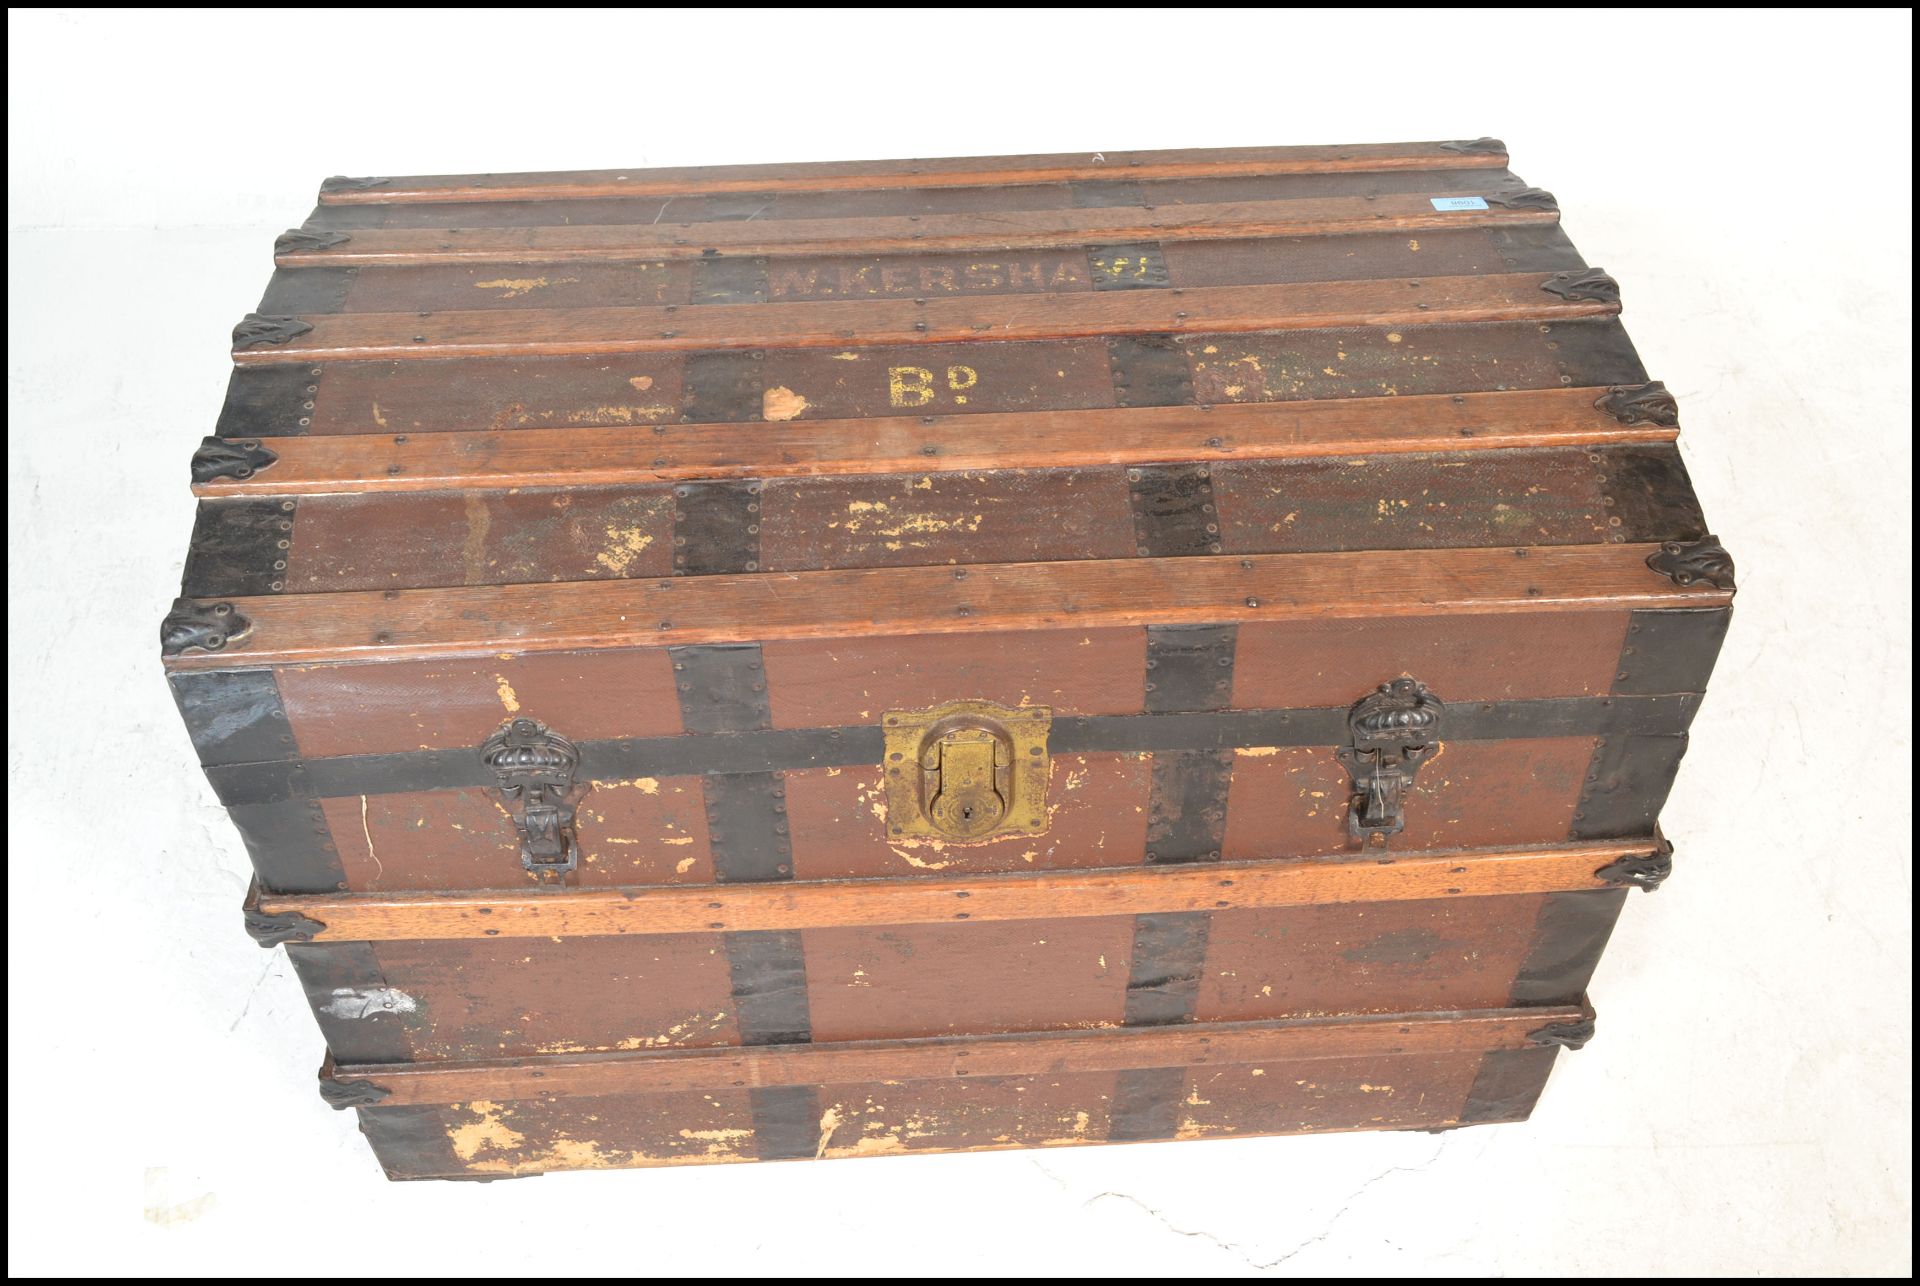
(514, 287)
(868, 1145)
(624, 544)
(489, 1133)
(676, 840)
(918, 863)
(829, 1122)
(846, 357)
(508, 697)
(781, 403)
(1413, 244)
(1394, 337)
(684, 865)
(1256, 752)
(378, 418)
(642, 382)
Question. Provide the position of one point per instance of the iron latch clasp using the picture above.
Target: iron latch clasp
(1393, 730)
(534, 768)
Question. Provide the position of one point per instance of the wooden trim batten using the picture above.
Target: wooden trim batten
(383, 624)
(373, 461)
(915, 234)
(345, 337)
(947, 1058)
(962, 171)
(1046, 895)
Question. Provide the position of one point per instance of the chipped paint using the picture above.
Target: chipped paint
(829, 1122)
(642, 382)
(514, 287)
(490, 1133)
(684, 865)
(624, 544)
(782, 403)
(1255, 752)
(508, 697)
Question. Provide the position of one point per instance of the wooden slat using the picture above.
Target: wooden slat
(475, 621)
(963, 171)
(998, 230)
(945, 1058)
(943, 444)
(820, 904)
(347, 337)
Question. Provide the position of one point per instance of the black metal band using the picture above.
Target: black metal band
(1507, 1085)
(786, 1121)
(362, 1019)
(1622, 718)
(239, 548)
(269, 402)
(1568, 939)
(1146, 1104)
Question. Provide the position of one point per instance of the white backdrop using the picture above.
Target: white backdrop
(1746, 1107)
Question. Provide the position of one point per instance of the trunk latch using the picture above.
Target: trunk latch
(1393, 730)
(534, 769)
(966, 770)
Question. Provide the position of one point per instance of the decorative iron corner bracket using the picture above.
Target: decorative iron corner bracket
(1641, 870)
(1482, 146)
(341, 1095)
(1640, 404)
(297, 239)
(1393, 730)
(259, 328)
(1687, 562)
(271, 928)
(1525, 199)
(229, 458)
(207, 626)
(1591, 284)
(341, 183)
(534, 769)
(1573, 1035)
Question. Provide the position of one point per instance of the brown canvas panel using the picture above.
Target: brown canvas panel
(645, 831)
(906, 520)
(516, 998)
(540, 392)
(1280, 665)
(1293, 801)
(1394, 1092)
(459, 703)
(412, 288)
(480, 538)
(1379, 362)
(1097, 816)
(936, 379)
(967, 1112)
(1356, 257)
(484, 1138)
(1483, 499)
(836, 682)
(967, 979)
(1356, 958)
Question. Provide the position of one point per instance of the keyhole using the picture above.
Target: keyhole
(966, 812)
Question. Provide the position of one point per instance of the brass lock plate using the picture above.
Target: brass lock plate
(966, 771)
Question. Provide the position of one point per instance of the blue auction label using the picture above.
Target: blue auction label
(1459, 203)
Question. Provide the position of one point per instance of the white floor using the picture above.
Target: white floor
(1745, 1109)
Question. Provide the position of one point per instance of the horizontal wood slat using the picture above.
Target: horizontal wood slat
(1218, 309)
(378, 625)
(962, 171)
(942, 444)
(1200, 886)
(999, 230)
(945, 1058)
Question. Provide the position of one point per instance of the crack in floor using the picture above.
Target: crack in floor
(1236, 1249)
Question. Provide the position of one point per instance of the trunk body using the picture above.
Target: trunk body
(827, 660)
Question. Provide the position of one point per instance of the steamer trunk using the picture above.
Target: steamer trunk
(796, 661)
